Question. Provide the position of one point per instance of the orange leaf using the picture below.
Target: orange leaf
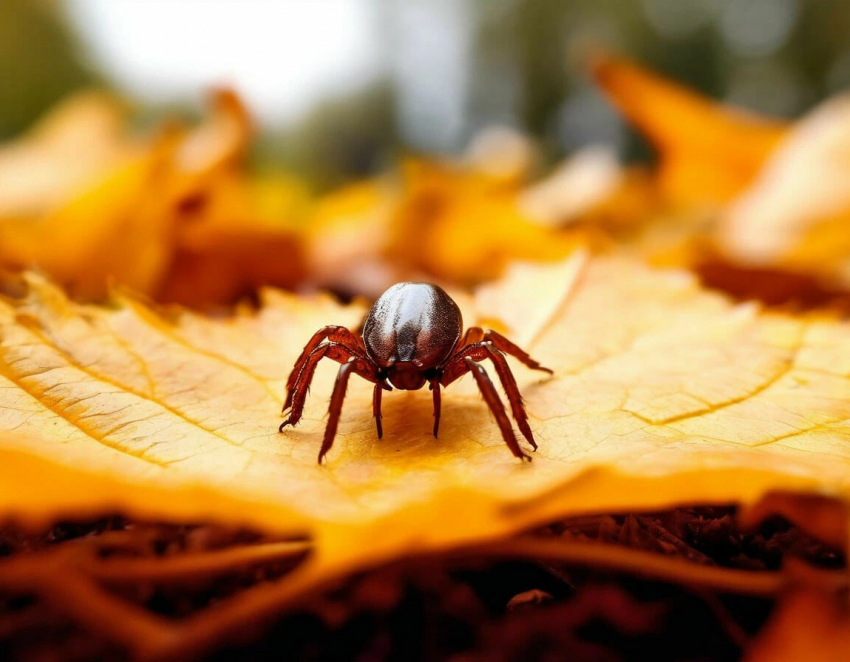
(795, 215)
(708, 152)
(347, 239)
(806, 626)
(114, 229)
(178, 221)
(464, 226)
(73, 146)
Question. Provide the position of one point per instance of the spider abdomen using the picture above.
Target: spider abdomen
(417, 324)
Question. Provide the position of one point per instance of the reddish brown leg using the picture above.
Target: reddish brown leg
(335, 408)
(476, 334)
(435, 389)
(485, 350)
(376, 408)
(335, 334)
(298, 395)
(491, 397)
(512, 390)
(339, 353)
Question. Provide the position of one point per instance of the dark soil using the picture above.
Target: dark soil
(440, 609)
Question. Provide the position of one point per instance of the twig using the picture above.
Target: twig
(186, 566)
(54, 580)
(652, 565)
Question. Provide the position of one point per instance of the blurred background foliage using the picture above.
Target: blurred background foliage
(40, 62)
(339, 85)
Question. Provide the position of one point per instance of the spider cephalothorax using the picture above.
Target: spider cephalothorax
(412, 336)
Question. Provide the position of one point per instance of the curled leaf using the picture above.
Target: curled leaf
(78, 142)
(176, 219)
(708, 153)
(795, 215)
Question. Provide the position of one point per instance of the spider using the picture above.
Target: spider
(412, 336)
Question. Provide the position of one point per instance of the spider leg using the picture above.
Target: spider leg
(476, 334)
(491, 396)
(435, 389)
(335, 407)
(332, 333)
(456, 367)
(331, 350)
(512, 390)
(376, 408)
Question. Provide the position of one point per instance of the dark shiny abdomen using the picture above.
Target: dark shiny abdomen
(412, 323)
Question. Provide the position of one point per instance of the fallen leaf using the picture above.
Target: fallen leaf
(177, 219)
(587, 179)
(74, 145)
(794, 217)
(112, 230)
(758, 207)
(662, 394)
(464, 226)
(708, 153)
(806, 626)
(347, 239)
(234, 235)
